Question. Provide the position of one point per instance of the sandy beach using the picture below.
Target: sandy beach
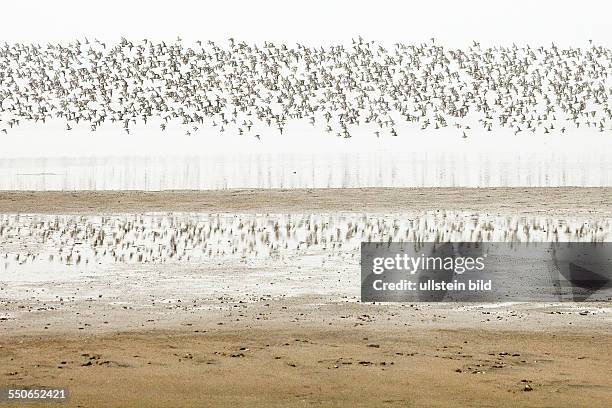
(289, 330)
(567, 201)
(320, 362)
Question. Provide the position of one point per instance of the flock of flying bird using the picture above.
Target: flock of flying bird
(142, 239)
(244, 88)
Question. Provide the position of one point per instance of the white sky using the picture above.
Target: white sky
(315, 21)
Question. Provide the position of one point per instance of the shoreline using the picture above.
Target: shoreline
(180, 333)
(558, 201)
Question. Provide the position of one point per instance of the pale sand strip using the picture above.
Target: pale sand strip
(566, 201)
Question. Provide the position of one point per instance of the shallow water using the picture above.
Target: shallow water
(67, 240)
(268, 254)
(308, 170)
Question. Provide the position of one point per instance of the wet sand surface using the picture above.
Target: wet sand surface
(572, 201)
(297, 352)
(288, 330)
